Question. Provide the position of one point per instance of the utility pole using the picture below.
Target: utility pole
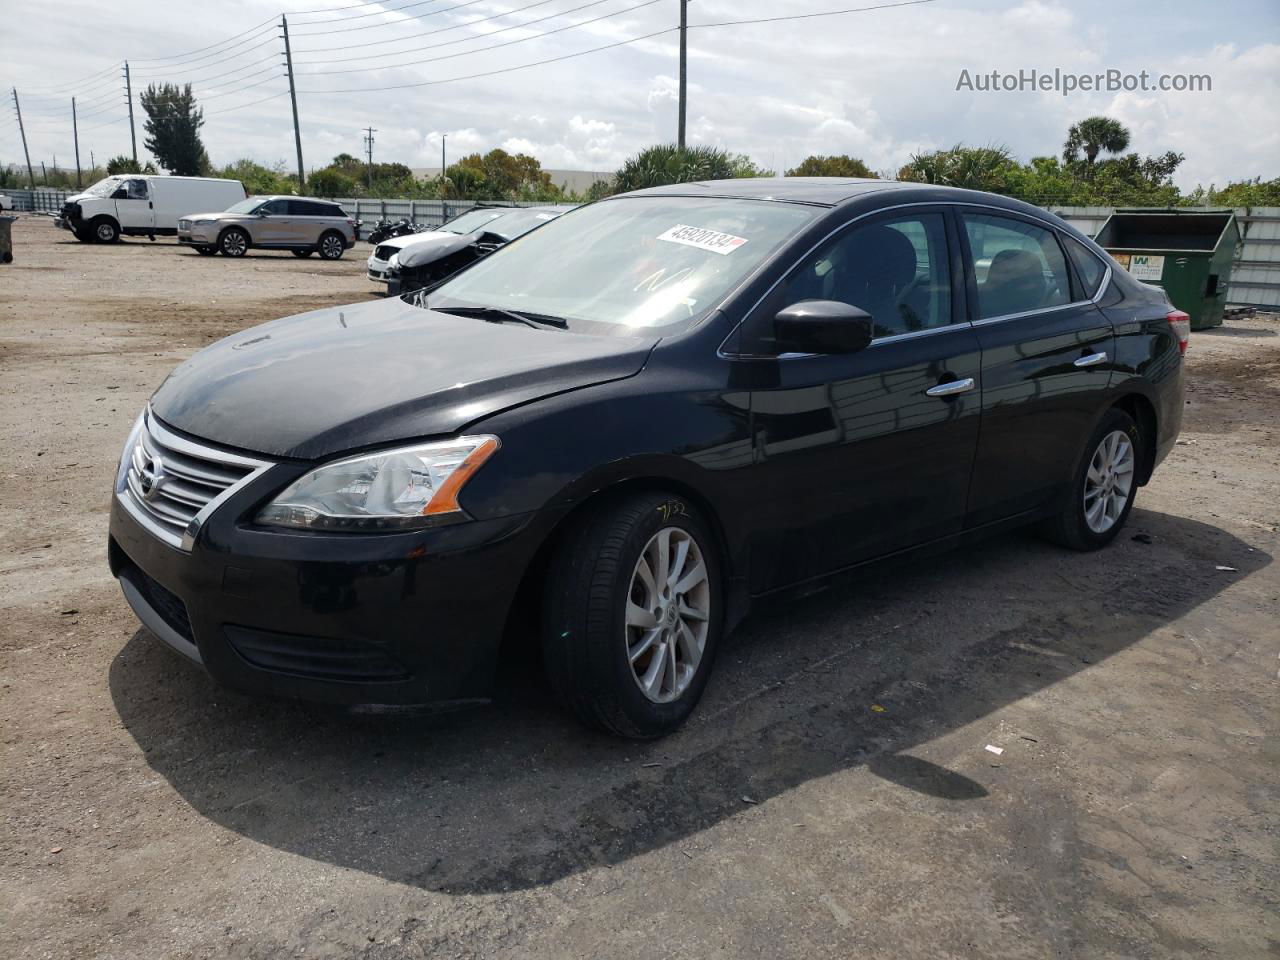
(44, 174)
(443, 166)
(368, 149)
(293, 97)
(128, 95)
(23, 130)
(684, 88)
(75, 133)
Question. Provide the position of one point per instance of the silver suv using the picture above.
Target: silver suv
(300, 224)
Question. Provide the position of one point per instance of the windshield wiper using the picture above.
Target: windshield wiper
(501, 314)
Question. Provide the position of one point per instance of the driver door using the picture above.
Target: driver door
(863, 454)
(134, 207)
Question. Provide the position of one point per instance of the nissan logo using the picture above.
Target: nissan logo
(152, 477)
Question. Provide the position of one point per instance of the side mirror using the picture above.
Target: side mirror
(822, 326)
(120, 194)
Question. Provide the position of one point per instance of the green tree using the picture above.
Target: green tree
(258, 179)
(744, 166)
(173, 129)
(972, 168)
(1094, 135)
(122, 164)
(1244, 193)
(837, 165)
(330, 182)
(667, 163)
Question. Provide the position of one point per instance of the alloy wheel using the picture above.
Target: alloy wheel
(106, 232)
(331, 247)
(1108, 481)
(234, 244)
(668, 613)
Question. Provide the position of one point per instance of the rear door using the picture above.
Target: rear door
(310, 219)
(1047, 356)
(863, 454)
(134, 210)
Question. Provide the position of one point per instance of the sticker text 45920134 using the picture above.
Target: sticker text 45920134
(712, 241)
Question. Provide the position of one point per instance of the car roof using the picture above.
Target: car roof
(826, 191)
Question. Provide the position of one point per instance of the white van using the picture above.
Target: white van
(143, 205)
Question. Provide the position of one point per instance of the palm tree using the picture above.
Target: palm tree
(1094, 135)
(972, 168)
(668, 163)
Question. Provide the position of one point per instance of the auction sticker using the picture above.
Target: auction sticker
(712, 241)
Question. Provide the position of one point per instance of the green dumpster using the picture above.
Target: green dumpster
(6, 239)
(1187, 252)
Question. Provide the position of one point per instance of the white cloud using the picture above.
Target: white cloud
(879, 85)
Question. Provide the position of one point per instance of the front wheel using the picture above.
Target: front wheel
(332, 246)
(632, 615)
(105, 230)
(1103, 488)
(233, 243)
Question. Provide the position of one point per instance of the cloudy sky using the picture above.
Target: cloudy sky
(879, 84)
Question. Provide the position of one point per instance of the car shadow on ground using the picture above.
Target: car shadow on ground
(516, 795)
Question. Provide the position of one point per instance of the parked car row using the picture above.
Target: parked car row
(624, 428)
(418, 260)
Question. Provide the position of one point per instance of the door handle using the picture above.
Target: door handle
(951, 388)
(1091, 360)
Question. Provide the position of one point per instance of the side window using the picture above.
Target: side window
(137, 189)
(1018, 266)
(895, 269)
(1087, 265)
(300, 208)
(274, 208)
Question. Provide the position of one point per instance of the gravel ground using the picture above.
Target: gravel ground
(832, 797)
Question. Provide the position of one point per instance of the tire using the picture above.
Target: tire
(83, 234)
(302, 252)
(233, 242)
(598, 616)
(331, 246)
(206, 251)
(104, 230)
(1107, 476)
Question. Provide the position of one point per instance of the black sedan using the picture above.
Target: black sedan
(643, 415)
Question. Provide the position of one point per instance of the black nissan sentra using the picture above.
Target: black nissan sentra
(643, 415)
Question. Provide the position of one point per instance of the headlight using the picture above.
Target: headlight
(203, 222)
(394, 262)
(126, 455)
(400, 489)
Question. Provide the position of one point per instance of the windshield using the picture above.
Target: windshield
(104, 188)
(247, 205)
(471, 221)
(520, 222)
(635, 262)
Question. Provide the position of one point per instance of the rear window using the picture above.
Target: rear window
(1087, 265)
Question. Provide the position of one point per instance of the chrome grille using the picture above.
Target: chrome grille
(171, 484)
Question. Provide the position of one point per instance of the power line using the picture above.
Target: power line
(615, 45)
(168, 68)
(495, 46)
(376, 13)
(432, 33)
(180, 56)
(390, 23)
(450, 43)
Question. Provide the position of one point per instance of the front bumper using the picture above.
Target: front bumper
(197, 238)
(398, 618)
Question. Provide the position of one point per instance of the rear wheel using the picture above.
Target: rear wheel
(302, 251)
(105, 230)
(632, 615)
(1103, 488)
(332, 246)
(234, 242)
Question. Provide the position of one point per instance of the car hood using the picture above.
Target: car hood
(435, 248)
(409, 239)
(209, 216)
(333, 380)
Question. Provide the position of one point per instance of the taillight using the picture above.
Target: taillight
(1180, 324)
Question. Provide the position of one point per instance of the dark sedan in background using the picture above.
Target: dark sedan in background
(639, 418)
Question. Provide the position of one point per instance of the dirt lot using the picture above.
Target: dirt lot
(833, 796)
